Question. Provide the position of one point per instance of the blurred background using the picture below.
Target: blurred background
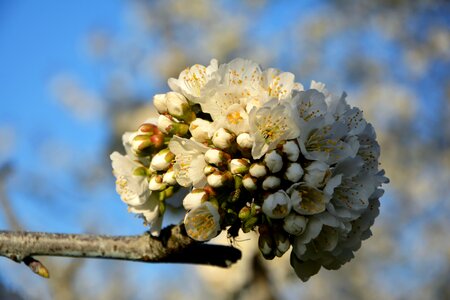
(75, 75)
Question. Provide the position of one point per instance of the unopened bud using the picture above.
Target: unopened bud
(238, 166)
(156, 183)
(245, 141)
(282, 243)
(277, 205)
(170, 126)
(194, 199)
(160, 103)
(294, 224)
(223, 139)
(216, 157)
(144, 144)
(249, 224)
(249, 182)
(178, 106)
(169, 177)
(244, 213)
(266, 245)
(201, 130)
(209, 170)
(290, 148)
(271, 182)
(274, 161)
(219, 179)
(161, 161)
(258, 170)
(294, 172)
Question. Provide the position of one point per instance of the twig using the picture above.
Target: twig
(172, 246)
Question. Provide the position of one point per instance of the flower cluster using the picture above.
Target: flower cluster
(258, 152)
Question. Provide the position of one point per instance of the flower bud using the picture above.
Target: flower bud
(277, 205)
(209, 170)
(244, 213)
(258, 170)
(216, 157)
(294, 172)
(290, 148)
(294, 224)
(144, 144)
(160, 103)
(169, 177)
(161, 161)
(219, 179)
(156, 183)
(223, 139)
(178, 106)
(266, 245)
(249, 182)
(271, 182)
(202, 223)
(245, 141)
(194, 199)
(274, 161)
(149, 129)
(249, 224)
(282, 243)
(201, 130)
(238, 166)
(168, 126)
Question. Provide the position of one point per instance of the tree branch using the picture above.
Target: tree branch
(172, 246)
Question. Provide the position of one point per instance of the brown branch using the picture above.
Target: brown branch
(172, 246)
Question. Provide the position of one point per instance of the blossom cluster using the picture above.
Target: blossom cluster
(257, 151)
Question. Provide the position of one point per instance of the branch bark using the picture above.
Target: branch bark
(172, 246)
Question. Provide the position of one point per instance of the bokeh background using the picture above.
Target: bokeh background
(75, 75)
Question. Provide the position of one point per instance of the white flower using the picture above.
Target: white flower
(273, 161)
(223, 139)
(201, 130)
(131, 183)
(271, 124)
(194, 199)
(202, 222)
(310, 104)
(235, 119)
(321, 140)
(169, 126)
(307, 200)
(193, 79)
(150, 210)
(294, 172)
(279, 84)
(189, 161)
(277, 205)
(317, 174)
